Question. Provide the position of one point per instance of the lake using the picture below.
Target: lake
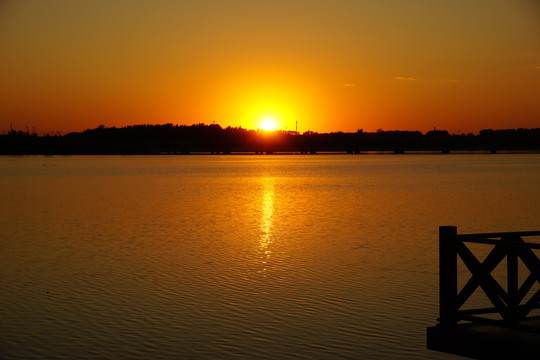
(245, 257)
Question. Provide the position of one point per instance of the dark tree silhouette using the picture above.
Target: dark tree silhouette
(213, 139)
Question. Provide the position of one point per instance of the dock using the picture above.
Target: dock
(507, 328)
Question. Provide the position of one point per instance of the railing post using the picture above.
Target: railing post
(448, 276)
(512, 282)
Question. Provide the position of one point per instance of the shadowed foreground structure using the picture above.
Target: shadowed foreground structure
(506, 330)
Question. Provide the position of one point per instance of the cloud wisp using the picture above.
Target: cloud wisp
(403, 78)
(439, 80)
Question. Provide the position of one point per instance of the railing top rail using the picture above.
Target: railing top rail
(477, 240)
(502, 234)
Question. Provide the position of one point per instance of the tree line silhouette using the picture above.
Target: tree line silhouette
(213, 139)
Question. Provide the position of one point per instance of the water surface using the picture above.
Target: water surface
(314, 257)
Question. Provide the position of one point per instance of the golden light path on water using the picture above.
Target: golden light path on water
(267, 219)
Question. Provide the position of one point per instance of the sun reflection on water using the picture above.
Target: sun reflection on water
(267, 219)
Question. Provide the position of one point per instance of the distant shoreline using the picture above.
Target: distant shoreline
(212, 139)
(278, 154)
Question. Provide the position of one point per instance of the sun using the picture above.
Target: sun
(268, 123)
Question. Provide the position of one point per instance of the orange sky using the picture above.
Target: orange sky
(331, 65)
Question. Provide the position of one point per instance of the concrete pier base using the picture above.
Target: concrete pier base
(482, 341)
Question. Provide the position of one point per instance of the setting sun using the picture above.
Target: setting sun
(268, 123)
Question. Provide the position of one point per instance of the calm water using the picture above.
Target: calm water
(313, 257)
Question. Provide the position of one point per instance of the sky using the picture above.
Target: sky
(321, 65)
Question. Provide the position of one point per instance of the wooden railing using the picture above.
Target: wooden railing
(507, 301)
